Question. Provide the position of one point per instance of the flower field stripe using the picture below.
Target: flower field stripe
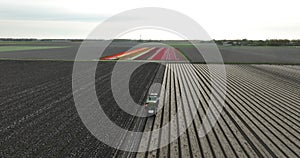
(159, 55)
(165, 55)
(133, 52)
(172, 55)
(150, 58)
(143, 53)
(120, 55)
(112, 57)
(147, 55)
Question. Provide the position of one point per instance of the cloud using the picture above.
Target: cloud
(45, 29)
(229, 19)
(45, 13)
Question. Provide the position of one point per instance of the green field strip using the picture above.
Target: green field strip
(24, 48)
(30, 42)
(184, 55)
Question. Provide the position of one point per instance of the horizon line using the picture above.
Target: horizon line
(33, 38)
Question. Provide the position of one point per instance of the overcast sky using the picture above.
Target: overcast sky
(223, 19)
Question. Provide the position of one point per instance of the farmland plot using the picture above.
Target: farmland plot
(261, 117)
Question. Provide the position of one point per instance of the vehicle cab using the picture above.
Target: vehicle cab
(151, 104)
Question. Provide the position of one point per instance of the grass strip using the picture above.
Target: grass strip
(22, 48)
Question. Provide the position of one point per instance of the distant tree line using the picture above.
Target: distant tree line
(243, 42)
(18, 39)
(44, 40)
(270, 42)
